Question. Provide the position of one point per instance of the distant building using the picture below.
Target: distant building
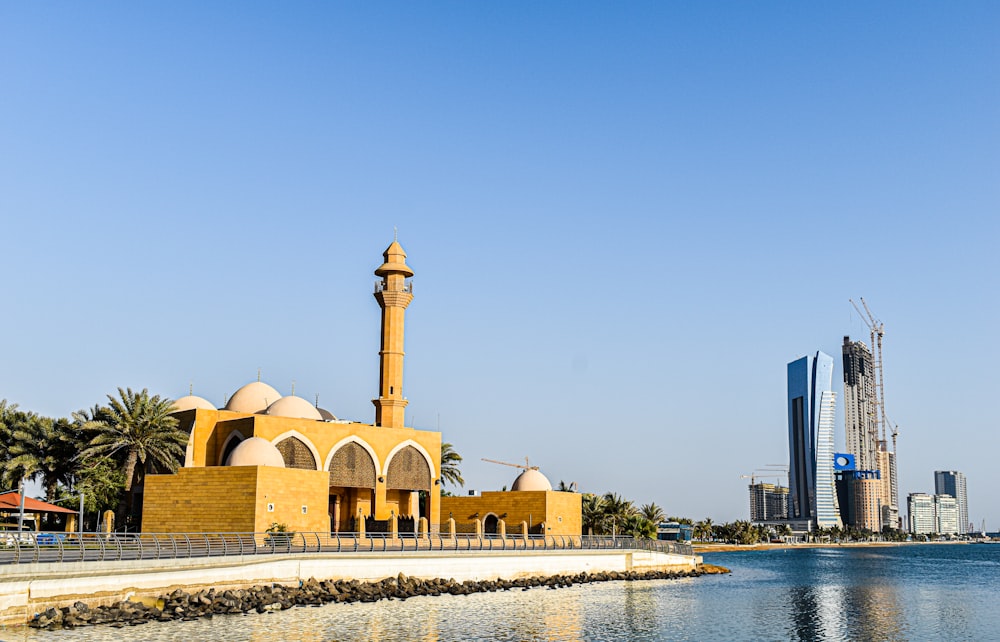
(952, 482)
(811, 406)
(674, 532)
(860, 405)
(946, 514)
(920, 507)
(768, 502)
(858, 493)
(887, 493)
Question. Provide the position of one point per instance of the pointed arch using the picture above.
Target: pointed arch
(403, 444)
(359, 441)
(234, 439)
(297, 450)
(352, 465)
(408, 468)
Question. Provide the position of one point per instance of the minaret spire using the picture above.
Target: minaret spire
(393, 293)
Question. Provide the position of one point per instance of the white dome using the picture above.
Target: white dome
(531, 479)
(326, 414)
(191, 402)
(253, 398)
(256, 452)
(294, 407)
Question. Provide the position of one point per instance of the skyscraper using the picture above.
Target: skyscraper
(952, 482)
(860, 405)
(811, 405)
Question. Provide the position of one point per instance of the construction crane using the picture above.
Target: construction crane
(877, 331)
(523, 466)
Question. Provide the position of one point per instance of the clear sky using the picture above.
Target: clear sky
(624, 219)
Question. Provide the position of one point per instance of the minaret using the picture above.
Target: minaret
(393, 294)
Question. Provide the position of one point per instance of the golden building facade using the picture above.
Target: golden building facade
(265, 458)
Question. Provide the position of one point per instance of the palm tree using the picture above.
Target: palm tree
(703, 529)
(43, 449)
(652, 512)
(638, 527)
(450, 474)
(136, 429)
(616, 509)
(566, 488)
(593, 514)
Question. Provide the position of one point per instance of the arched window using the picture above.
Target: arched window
(352, 467)
(296, 454)
(408, 470)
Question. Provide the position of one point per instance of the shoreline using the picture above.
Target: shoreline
(705, 547)
(179, 605)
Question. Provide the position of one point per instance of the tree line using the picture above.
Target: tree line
(102, 452)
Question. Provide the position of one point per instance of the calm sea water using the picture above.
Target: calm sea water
(933, 592)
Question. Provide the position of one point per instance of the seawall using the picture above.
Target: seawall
(30, 588)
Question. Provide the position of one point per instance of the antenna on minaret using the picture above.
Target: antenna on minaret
(293, 387)
(258, 375)
(317, 400)
(191, 388)
(395, 233)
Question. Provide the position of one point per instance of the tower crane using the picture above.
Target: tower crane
(523, 466)
(877, 329)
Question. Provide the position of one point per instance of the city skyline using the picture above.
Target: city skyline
(601, 204)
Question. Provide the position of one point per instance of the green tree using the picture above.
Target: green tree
(639, 527)
(136, 428)
(450, 473)
(616, 509)
(43, 449)
(566, 488)
(703, 529)
(593, 514)
(652, 512)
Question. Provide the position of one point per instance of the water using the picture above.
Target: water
(940, 592)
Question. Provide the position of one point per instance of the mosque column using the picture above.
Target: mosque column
(393, 293)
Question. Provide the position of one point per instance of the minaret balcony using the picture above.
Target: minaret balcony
(382, 286)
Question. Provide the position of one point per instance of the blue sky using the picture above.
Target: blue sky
(625, 220)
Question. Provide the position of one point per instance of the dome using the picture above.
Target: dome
(256, 452)
(253, 398)
(191, 402)
(294, 407)
(326, 414)
(531, 479)
(395, 262)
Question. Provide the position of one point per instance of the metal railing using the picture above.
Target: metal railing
(33, 548)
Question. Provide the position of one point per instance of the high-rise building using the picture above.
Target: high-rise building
(768, 502)
(860, 404)
(952, 482)
(811, 405)
(920, 507)
(946, 514)
(887, 493)
(858, 493)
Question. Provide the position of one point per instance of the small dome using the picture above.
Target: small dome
(294, 407)
(256, 452)
(326, 414)
(253, 398)
(191, 402)
(395, 262)
(531, 479)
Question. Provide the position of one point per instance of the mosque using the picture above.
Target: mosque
(266, 459)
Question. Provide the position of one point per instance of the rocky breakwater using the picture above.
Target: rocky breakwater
(180, 605)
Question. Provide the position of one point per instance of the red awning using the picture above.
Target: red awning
(12, 502)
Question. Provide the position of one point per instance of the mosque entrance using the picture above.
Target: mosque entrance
(352, 487)
(408, 481)
(490, 524)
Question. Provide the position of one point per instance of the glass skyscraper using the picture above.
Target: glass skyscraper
(811, 405)
(952, 482)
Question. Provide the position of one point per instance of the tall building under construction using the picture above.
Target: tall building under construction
(863, 416)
